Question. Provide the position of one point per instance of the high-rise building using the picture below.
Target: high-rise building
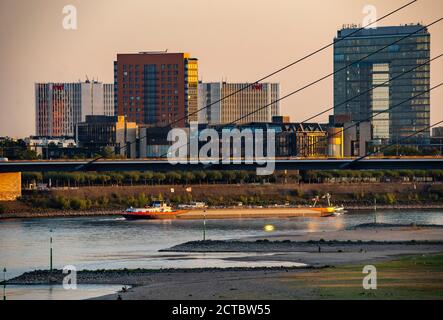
(374, 71)
(156, 88)
(108, 102)
(60, 106)
(241, 105)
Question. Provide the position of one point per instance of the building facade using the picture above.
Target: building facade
(60, 106)
(156, 88)
(437, 138)
(357, 136)
(115, 132)
(291, 139)
(437, 132)
(241, 105)
(153, 141)
(41, 145)
(367, 80)
(108, 99)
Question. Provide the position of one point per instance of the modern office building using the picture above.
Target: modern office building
(41, 144)
(361, 90)
(335, 142)
(60, 106)
(153, 141)
(357, 136)
(114, 132)
(156, 88)
(241, 105)
(108, 99)
(291, 139)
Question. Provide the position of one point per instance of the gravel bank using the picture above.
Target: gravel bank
(133, 277)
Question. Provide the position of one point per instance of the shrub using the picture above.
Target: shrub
(103, 201)
(391, 198)
(59, 202)
(79, 204)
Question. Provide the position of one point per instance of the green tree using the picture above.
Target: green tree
(107, 153)
(147, 176)
(200, 176)
(78, 204)
(173, 177)
(132, 177)
(214, 176)
(188, 177)
(159, 177)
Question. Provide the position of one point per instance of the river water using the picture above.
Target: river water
(113, 243)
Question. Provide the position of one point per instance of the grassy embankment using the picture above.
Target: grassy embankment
(412, 277)
(116, 198)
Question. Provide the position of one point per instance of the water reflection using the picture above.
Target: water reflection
(56, 292)
(112, 242)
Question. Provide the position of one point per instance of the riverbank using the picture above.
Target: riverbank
(409, 277)
(215, 213)
(354, 196)
(407, 259)
(58, 214)
(367, 243)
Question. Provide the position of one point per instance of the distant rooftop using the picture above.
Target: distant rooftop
(381, 31)
(155, 53)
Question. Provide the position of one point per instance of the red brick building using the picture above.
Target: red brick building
(156, 88)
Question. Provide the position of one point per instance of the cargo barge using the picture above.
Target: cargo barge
(157, 210)
(160, 210)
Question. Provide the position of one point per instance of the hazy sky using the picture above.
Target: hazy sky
(240, 40)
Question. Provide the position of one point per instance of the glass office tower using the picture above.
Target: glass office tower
(412, 116)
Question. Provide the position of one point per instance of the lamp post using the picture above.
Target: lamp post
(4, 284)
(375, 210)
(204, 225)
(50, 251)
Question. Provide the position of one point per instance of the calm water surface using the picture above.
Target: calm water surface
(56, 292)
(112, 242)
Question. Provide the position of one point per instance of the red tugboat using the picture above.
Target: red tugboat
(157, 210)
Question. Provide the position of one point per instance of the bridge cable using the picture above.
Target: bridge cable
(392, 144)
(267, 76)
(372, 116)
(325, 77)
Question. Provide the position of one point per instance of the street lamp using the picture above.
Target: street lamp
(204, 225)
(375, 210)
(50, 251)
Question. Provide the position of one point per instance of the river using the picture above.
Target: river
(113, 243)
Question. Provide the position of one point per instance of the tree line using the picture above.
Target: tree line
(85, 179)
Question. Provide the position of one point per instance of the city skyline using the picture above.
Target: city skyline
(38, 49)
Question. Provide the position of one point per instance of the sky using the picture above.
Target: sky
(237, 40)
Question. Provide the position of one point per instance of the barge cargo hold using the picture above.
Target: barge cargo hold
(241, 213)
